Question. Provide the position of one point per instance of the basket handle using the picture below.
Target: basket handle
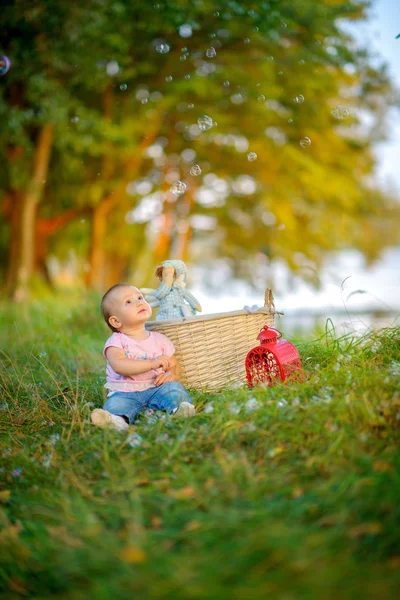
(269, 299)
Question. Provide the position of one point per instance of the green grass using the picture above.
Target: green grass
(297, 499)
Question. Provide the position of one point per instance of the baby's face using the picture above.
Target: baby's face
(129, 307)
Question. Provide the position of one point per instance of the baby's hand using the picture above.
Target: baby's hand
(168, 270)
(162, 361)
(165, 377)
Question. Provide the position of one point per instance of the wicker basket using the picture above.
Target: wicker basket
(212, 348)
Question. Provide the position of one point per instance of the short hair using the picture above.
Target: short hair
(105, 303)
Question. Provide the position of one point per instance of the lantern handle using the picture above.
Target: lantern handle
(269, 299)
(272, 329)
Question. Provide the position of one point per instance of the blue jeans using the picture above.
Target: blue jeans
(167, 396)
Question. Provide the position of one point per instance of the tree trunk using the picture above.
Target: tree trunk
(97, 258)
(164, 241)
(116, 271)
(45, 229)
(184, 228)
(96, 273)
(13, 215)
(20, 268)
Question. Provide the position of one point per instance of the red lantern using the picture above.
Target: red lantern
(274, 359)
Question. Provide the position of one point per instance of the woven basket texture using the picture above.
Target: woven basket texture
(212, 349)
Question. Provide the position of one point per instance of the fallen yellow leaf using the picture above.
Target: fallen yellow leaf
(5, 496)
(297, 493)
(142, 482)
(381, 466)
(183, 493)
(156, 521)
(365, 529)
(133, 555)
(192, 525)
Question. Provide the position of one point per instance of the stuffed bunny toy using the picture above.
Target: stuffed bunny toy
(171, 296)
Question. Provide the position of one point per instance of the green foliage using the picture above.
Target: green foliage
(69, 61)
(296, 499)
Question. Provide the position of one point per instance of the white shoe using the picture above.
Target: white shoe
(102, 418)
(185, 409)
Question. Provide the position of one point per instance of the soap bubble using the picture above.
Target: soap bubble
(195, 170)
(151, 417)
(134, 440)
(234, 408)
(205, 123)
(252, 156)
(168, 78)
(178, 188)
(74, 119)
(188, 155)
(299, 99)
(185, 30)
(247, 40)
(47, 460)
(237, 99)
(123, 87)
(261, 98)
(190, 106)
(183, 57)
(226, 83)
(187, 76)
(340, 112)
(162, 48)
(305, 142)
(208, 408)
(112, 67)
(5, 64)
(290, 120)
(251, 405)
(211, 52)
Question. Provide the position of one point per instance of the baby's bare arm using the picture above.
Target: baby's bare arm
(130, 366)
(173, 374)
(175, 367)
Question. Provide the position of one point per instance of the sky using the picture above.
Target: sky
(346, 283)
(380, 34)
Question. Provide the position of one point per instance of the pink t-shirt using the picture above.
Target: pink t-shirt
(148, 349)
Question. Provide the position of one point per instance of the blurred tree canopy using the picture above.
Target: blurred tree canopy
(265, 111)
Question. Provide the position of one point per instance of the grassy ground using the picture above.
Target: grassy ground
(293, 496)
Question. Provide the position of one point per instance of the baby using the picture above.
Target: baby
(142, 371)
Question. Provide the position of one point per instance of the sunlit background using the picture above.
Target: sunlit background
(258, 142)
